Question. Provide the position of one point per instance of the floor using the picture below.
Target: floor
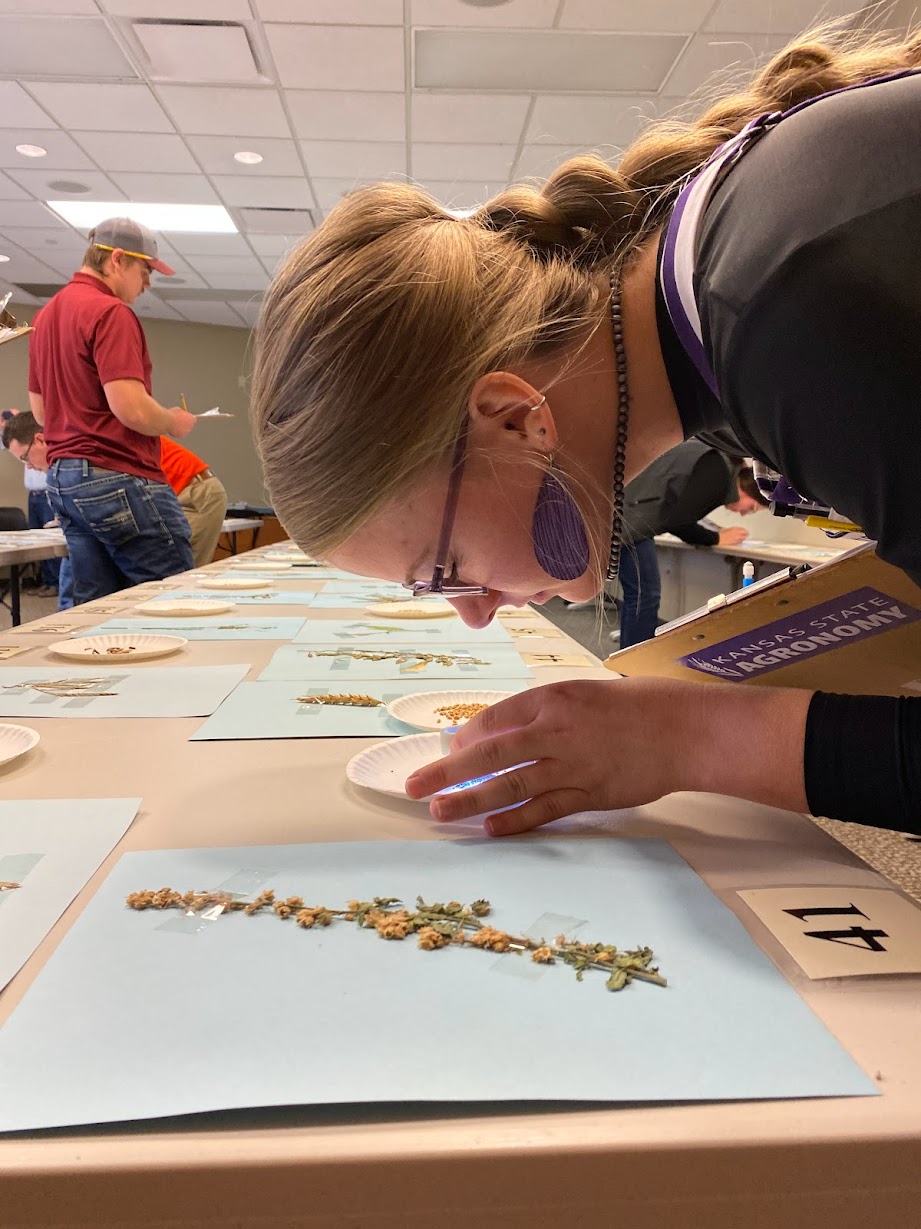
(893, 854)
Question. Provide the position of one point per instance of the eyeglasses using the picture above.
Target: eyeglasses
(452, 587)
(25, 456)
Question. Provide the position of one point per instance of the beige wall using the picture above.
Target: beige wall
(206, 362)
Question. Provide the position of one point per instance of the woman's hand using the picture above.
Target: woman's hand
(599, 745)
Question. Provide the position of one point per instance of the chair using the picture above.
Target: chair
(11, 520)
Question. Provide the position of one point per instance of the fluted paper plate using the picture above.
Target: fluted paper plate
(385, 766)
(259, 565)
(289, 556)
(193, 606)
(419, 709)
(410, 610)
(233, 582)
(117, 648)
(16, 740)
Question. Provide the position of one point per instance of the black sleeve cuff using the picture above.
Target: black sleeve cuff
(695, 534)
(862, 759)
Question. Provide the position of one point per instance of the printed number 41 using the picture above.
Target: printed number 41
(854, 936)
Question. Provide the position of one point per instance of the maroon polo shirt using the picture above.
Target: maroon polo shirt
(84, 338)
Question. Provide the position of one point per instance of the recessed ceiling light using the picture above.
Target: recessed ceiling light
(193, 219)
(248, 157)
(4, 259)
(31, 151)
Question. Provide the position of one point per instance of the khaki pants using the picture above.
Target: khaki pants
(204, 502)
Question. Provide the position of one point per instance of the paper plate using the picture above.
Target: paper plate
(419, 709)
(117, 648)
(232, 582)
(288, 556)
(410, 610)
(185, 606)
(16, 740)
(257, 565)
(385, 766)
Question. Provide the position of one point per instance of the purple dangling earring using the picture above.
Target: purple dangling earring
(558, 531)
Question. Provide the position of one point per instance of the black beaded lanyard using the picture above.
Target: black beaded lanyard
(623, 413)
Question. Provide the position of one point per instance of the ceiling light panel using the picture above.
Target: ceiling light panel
(216, 156)
(778, 17)
(177, 189)
(64, 154)
(565, 119)
(347, 115)
(361, 159)
(264, 191)
(338, 57)
(464, 162)
(210, 110)
(655, 17)
(515, 13)
(158, 216)
(141, 151)
(333, 12)
(493, 119)
(60, 47)
(711, 53)
(539, 61)
(184, 51)
(18, 110)
(105, 108)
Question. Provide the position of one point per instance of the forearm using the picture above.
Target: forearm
(137, 410)
(746, 742)
(37, 406)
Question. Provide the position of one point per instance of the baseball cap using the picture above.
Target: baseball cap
(133, 238)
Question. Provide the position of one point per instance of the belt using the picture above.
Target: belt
(205, 473)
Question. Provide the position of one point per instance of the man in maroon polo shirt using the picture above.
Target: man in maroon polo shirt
(89, 385)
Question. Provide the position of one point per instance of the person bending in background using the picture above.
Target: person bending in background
(201, 496)
(89, 387)
(673, 495)
(39, 513)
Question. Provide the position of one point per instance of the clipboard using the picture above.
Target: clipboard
(850, 625)
(9, 328)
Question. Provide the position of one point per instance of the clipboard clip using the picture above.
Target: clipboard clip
(739, 595)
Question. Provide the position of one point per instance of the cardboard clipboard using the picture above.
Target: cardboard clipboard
(850, 625)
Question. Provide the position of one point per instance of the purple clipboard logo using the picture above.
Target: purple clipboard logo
(848, 619)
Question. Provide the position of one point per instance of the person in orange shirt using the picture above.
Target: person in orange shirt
(200, 493)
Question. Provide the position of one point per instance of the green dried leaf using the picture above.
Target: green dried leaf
(617, 980)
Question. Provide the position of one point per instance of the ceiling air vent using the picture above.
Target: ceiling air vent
(198, 51)
(41, 290)
(291, 222)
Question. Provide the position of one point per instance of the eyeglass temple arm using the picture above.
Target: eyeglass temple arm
(447, 520)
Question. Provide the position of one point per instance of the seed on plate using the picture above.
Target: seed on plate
(455, 713)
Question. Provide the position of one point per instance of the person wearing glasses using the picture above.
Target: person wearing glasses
(457, 401)
(38, 512)
(89, 389)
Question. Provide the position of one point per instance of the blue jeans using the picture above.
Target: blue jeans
(120, 530)
(39, 515)
(639, 579)
(66, 585)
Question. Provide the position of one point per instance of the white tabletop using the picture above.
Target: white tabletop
(30, 545)
(759, 1165)
(233, 524)
(768, 552)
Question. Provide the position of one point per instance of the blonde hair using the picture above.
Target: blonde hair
(376, 327)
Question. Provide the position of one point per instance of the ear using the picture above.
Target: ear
(504, 407)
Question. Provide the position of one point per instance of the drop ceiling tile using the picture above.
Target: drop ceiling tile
(166, 189)
(469, 162)
(248, 312)
(203, 311)
(192, 245)
(346, 115)
(539, 161)
(65, 264)
(39, 184)
(460, 195)
(330, 191)
(32, 46)
(564, 119)
(87, 8)
(656, 17)
(338, 57)
(23, 267)
(272, 247)
(538, 60)
(195, 52)
(229, 266)
(29, 214)
(494, 119)
(239, 281)
(10, 191)
(216, 156)
(712, 53)
(148, 306)
(269, 191)
(141, 151)
(212, 110)
(778, 17)
(361, 159)
(44, 242)
(333, 12)
(64, 154)
(18, 110)
(188, 10)
(457, 13)
(102, 108)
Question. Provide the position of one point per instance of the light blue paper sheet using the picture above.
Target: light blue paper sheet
(253, 1011)
(484, 663)
(340, 600)
(245, 597)
(229, 626)
(372, 589)
(146, 691)
(51, 848)
(271, 710)
(386, 632)
(267, 573)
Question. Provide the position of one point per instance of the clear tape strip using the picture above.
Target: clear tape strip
(243, 882)
(546, 927)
